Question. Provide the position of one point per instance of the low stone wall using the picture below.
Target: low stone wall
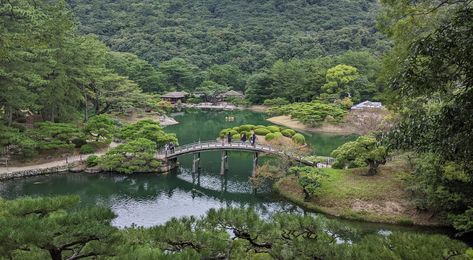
(35, 172)
(167, 167)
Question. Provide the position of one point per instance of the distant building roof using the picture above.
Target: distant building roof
(232, 93)
(175, 95)
(368, 104)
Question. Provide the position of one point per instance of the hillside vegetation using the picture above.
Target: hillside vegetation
(268, 49)
(249, 34)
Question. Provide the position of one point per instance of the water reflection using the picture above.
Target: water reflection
(149, 199)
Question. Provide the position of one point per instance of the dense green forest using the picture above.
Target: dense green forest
(250, 35)
(285, 46)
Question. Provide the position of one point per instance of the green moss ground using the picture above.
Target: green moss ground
(351, 195)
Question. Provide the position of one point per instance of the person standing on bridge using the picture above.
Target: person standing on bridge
(243, 137)
(253, 139)
(171, 147)
(166, 149)
(229, 138)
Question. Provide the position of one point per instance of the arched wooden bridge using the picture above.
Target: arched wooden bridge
(197, 148)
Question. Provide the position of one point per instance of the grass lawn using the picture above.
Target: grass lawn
(350, 194)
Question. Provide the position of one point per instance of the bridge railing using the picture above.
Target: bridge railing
(219, 144)
(216, 144)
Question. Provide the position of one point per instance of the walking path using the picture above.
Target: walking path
(59, 163)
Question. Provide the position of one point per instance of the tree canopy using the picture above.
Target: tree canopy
(52, 227)
(432, 83)
(365, 151)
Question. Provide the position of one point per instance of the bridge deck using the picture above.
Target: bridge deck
(237, 146)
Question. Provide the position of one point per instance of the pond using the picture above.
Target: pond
(149, 199)
(195, 125)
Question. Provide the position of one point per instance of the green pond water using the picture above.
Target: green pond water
(149, 199)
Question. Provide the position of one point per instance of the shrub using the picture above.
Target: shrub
(246, 128)
(87, 149)
(276, 102)
(316, 159)
(194, 100)
(247, 133)
(135, 156)
(262, 131)
(270, 136)
(224, 132)
(277, 135)
(274, 128)
(346, 103)
(260, 126)
(288, 132)
(236, 136)
(79, 142)
(298, 139)
(309, 179)
(92, 161)
(239, 102)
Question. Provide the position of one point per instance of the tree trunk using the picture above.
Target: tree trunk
(10, 115)
(96, 100)
(373, 168)
(52, 114)
(86, 115)
(55, 254)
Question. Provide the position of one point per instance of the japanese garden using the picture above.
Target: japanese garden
(272, 129)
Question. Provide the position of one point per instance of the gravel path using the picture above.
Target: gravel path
(62, 162)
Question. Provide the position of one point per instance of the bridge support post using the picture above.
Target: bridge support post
(224, 163)
(196, 162)
(255, 164)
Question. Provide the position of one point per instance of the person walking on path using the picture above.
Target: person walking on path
(171, 147)
(229, 138)
(243, 138)
(253, 139)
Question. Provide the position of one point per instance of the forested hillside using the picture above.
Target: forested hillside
(249, 34)
(269, 49)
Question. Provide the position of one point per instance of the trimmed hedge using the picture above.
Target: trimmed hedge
(246, 128)
(92, 161)
(270, 137)
(262, 131)
(278, 135)
(274, 128)
(298, 139)
(224, 132)
(269, 132)
(87, 149)
(288, 132)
